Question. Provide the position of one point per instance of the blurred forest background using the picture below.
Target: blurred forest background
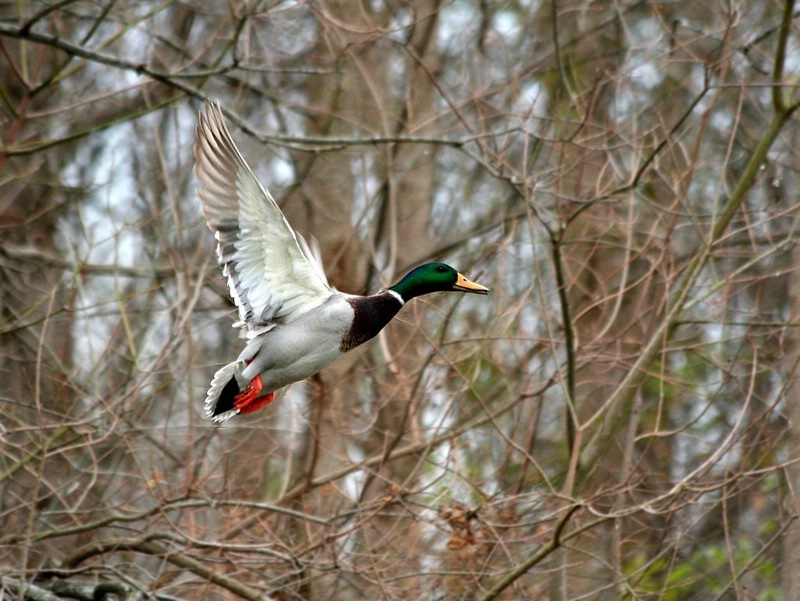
(618, 420)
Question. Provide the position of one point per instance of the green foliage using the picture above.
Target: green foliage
(706, 571)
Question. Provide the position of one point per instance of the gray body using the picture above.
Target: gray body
(298, 349)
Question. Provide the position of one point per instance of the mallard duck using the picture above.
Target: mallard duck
(295, 322)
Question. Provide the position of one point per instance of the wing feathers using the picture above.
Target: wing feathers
(273, 274)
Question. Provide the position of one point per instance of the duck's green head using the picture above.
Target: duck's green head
(435, 277)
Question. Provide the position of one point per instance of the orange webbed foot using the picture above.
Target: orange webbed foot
(249, 400)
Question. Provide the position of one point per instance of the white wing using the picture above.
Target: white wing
(273, 274)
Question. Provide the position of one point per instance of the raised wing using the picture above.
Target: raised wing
(273, 274)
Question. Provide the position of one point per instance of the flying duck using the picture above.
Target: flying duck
(295, 322)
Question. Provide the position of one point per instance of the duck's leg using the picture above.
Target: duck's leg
(248, 400)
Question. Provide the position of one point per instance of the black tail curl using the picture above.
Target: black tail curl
(226, 397)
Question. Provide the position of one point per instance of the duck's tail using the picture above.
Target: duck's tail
(225, 399)
(221, 395)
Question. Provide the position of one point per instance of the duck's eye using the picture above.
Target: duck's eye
(441, 269)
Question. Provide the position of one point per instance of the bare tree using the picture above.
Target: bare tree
(618, 420)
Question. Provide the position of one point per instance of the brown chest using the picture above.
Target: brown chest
(371, 314)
